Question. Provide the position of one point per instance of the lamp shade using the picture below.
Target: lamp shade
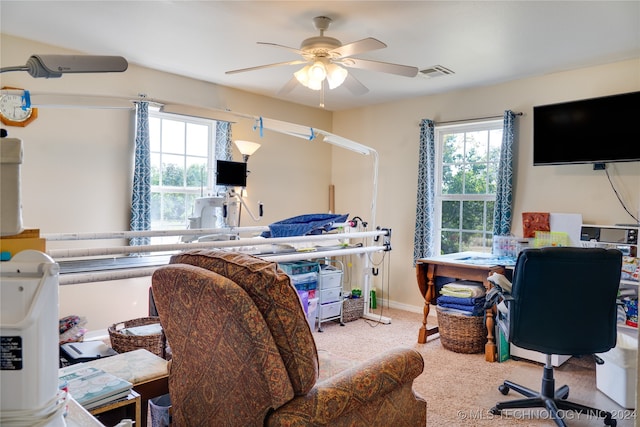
(247, 148)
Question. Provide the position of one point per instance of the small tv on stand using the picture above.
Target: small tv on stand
(232, 174)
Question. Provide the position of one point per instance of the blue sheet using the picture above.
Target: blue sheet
(303, 225)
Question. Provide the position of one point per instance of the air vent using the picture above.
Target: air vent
(435, 71)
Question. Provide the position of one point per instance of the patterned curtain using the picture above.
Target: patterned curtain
(223, 141)
(223, 147)
(504, 193)
(423, 239)
(141, 194)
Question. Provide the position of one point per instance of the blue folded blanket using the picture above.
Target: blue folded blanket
(473, 306)
(463, 301)
(471, 309)
(303, 225)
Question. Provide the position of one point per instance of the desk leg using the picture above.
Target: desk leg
(428, 297)
(490, 348)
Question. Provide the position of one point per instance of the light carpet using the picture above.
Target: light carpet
(461, 388)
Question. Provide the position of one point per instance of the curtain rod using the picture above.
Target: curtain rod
(473, 120)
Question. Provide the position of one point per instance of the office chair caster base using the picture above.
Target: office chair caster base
(610, 421)
(503, 389)
(494, 411)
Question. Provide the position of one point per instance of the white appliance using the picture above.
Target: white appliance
(216, 212)
(11, 206)
(29, 334)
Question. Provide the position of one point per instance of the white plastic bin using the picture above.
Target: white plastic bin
(312, 312)
(330, 277)
(11, 206)
(327, 311)
(617, 376)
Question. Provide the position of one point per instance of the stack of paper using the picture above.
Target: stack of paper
(93, 387)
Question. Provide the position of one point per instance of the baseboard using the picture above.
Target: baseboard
(401, 306)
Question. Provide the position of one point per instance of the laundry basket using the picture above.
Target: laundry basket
(460, 333)
(122, 341)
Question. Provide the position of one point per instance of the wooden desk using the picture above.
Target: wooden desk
(453, 266)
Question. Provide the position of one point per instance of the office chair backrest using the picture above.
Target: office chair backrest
(565, 300)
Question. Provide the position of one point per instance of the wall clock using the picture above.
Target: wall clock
(11, 111)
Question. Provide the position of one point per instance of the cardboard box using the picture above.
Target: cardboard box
(28, 239)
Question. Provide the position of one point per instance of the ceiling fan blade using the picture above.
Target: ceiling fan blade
(360, 46)
(385, 67)
(288, 87)
(259, 67)
(292, 49)
(354, 86)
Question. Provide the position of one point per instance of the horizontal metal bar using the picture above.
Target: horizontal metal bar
(118, 250)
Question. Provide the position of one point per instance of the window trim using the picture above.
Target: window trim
(439, 197)
(209, 188)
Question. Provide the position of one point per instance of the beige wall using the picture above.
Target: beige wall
(393, 130)
(76, 172)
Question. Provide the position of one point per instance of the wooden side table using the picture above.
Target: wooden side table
(454, 266)
(112, 413)
(147, 372)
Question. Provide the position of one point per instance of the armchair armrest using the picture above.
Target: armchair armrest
(329, 402)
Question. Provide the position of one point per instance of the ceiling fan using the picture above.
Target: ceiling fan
(325, 59)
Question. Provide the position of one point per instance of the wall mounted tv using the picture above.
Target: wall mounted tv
(230, 173)
(596, 130)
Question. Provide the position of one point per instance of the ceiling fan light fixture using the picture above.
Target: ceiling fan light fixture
(312, 76)
(336, 75)
(317, 71)
(302, 75)
(315, 84)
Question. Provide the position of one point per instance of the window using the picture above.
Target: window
(182, 165)
(468, 157)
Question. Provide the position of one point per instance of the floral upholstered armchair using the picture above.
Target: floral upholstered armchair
(243, 353)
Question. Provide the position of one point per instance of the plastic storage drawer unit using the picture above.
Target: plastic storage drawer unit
(330, 277)
(330, 310)
(330, 295)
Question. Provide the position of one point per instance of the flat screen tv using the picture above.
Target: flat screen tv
(596, 130)
(233, 174)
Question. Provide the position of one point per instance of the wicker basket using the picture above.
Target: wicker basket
(123, 343)
(352, 309)
(460, 333)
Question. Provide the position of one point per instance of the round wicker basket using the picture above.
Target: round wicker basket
(460, 333)
(123, 343)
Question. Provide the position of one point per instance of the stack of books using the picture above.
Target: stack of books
(92, 387)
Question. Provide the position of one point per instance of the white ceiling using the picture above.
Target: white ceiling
(482, 42)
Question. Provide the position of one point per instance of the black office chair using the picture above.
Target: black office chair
(563, 302)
